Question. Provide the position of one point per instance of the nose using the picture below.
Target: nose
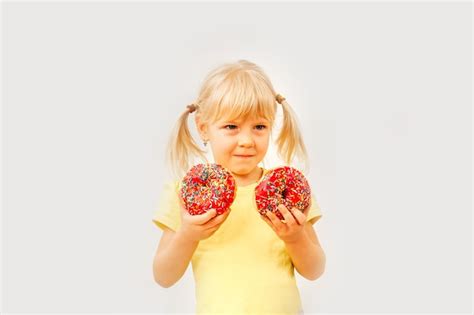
(245, 140)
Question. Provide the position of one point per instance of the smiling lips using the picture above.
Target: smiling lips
(244, 156)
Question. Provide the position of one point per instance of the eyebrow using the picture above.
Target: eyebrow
(260, 121)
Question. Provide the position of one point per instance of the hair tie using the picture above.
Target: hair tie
(191, 108)
(279, 98)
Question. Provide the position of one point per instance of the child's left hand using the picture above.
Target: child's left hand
(293, 229)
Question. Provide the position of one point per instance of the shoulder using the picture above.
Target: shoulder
(170, 189)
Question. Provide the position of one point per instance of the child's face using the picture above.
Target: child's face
(238, 145)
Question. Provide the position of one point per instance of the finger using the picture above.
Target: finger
(274, 219)
(299, 216)
(217, 220)
(306, 211)
(212, 223)
(267, 220)
(185, 212)
(203, 218)
(287, 215)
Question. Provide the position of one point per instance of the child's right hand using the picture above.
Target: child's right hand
(202, 226)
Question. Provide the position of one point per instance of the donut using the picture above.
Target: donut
(207, 186)
(282, 185)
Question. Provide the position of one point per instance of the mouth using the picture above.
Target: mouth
(244, 156)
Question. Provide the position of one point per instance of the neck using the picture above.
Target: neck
(250, 178)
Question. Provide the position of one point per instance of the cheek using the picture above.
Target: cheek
(263, 142)
(224, 145)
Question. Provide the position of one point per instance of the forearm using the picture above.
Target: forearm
(170, 265)
(308, 258)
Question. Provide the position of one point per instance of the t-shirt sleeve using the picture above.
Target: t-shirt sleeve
(314, 213)
(168, 210)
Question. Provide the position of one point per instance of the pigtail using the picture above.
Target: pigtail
(290, 141)
(181, 145)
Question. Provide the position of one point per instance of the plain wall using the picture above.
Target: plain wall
(91, 91)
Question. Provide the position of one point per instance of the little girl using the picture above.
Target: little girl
(243, 262)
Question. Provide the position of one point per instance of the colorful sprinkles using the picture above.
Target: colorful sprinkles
(208, 186)
(282, 185)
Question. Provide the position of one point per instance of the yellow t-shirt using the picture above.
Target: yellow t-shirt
(243, 268)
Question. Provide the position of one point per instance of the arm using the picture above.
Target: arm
(307, 255)
(172, 257)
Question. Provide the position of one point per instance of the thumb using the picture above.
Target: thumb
(182, 206)
(212, 212)
(206, 216)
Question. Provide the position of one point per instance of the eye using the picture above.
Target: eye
(261, 127)
(231, 127)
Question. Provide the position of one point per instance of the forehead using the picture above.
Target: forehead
(241, 120)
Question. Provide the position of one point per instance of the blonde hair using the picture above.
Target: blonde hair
(230, 91)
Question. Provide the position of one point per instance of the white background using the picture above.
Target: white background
(91, 91)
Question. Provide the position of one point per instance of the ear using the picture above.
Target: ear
(201, 127)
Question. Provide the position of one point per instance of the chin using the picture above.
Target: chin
(242, 170)
(237, 170)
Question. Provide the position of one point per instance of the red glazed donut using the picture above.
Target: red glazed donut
(282, 185)
(208, 186)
